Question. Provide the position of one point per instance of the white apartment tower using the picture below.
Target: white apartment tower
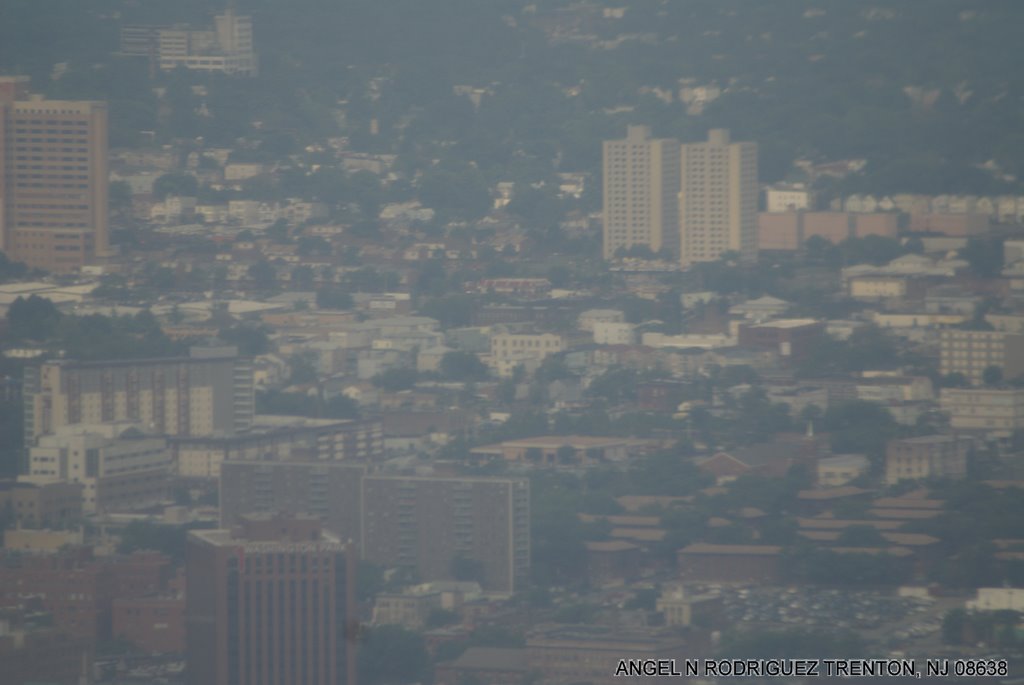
(718, 199)
(641, 183)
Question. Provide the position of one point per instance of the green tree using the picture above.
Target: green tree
(263, 275)
(463, 366)
(303, 367)
(176, 183)
(992, 375)
(984, 255)
(861, 536)
(859, 426)
(35, 318)
(341, 407)
(455, 189)
(302, 278)
(954, 624)
(391, 654)
(249, 339)
(146, 535)
(120, 199)
(393, 380)
(313, 245)
(333, 297)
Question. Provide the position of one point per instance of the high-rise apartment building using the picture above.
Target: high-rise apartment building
(972, 352)
(718, 199)
(270, 601)
(53, 179)
(210, 391)
(641, 185)
(446, 527)
(329, 490)
(443, 527)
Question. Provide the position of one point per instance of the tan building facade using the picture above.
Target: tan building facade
(431, 523)
(525, 345)
(641, 181)
(718, 199)
(281, 438)
(207, 392)
(929, 456)
(991, 410)
(53, 179)
(33, 505)
(120, 468)
(225, 48)
(971, 352)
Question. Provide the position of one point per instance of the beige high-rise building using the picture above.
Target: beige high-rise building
(718, 199)
(641, 183)
(53, 179)
(209, 392)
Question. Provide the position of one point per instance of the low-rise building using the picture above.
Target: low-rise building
(873, 287)
(532, 345)
(997, 599)
(788, 198)
(570, 654)
(612, 561)
(280, 438)
(684, 609)
(566, 450)
(120, 467)
(791, 339)
(996, 411)
(32, 650)
(586, 320)
(407, 609)
(839, 470)
(506, 665)
(713, 563)
(617, 333)
(924, 457)
(154, 624)
(39, 505)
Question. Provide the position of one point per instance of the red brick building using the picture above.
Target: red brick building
(79, 589)
(40, 654)
(74, 587)
(792, 339)
(270, 601)
(154, 624)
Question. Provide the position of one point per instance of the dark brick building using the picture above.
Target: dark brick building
(270, 601)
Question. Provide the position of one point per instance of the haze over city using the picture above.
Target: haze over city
(494, 342)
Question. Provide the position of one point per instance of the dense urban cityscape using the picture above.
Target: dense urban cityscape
(510, 343)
